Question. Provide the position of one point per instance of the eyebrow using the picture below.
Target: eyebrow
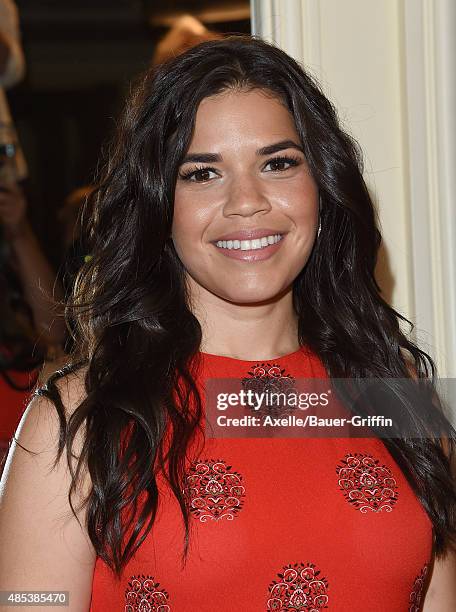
(207, 158)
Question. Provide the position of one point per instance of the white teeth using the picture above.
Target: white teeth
(249, 245)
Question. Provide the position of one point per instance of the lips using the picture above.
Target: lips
(249, 234)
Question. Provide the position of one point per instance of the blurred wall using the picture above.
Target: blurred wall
(389, 67)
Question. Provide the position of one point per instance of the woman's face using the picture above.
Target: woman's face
(235, 189)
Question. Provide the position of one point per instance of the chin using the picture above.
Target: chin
(249, 296)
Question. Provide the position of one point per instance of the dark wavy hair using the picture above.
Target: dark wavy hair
(136, 333)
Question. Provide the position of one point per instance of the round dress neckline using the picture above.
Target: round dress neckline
(236, 360)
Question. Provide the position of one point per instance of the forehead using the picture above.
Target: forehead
(235, 115)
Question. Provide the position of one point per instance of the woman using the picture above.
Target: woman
(220, 148)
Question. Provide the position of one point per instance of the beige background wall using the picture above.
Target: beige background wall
(389, 67)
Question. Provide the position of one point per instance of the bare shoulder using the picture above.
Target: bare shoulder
(38, 429)
(441, 592)
(44, 546)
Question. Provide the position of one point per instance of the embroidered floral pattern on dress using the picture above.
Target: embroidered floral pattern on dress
(366, 484)
(417, 590)
(268, 378)
(143, 595)
(300, 588)
(214, 490)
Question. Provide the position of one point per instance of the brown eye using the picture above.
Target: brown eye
(280, 161)
(200, 175)
(277, 164)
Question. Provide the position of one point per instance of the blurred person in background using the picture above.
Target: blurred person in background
(32, 328)
(185, 32)
(16, 330)
(26, 258)
(31, 333)
(12, 71)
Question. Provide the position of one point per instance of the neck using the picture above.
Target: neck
(261, 330)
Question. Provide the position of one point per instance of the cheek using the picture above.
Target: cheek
(190, 220)
(302, 213)
(298, 197)
(182, 216)
(306, 216)
(193, 207)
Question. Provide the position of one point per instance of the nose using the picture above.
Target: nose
(246, 197)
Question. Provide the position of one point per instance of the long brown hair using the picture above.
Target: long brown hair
(136, 334)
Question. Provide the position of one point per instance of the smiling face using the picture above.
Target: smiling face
(244, 172)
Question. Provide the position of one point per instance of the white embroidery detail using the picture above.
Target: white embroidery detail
(214, 490)
(366, 484)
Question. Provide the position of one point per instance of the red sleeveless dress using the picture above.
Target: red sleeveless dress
(301, 524)
(12, 405)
